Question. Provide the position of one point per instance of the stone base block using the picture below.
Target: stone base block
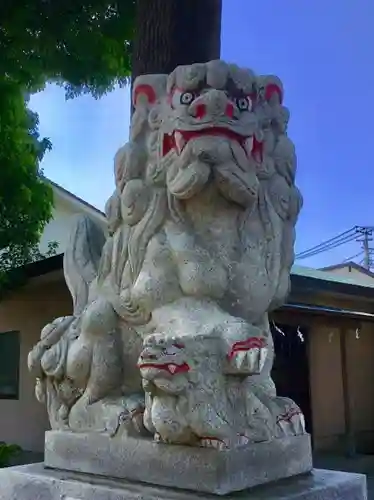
(34, 482)
(191, 468)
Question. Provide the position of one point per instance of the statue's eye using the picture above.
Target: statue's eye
(244, 103)
(187, 97)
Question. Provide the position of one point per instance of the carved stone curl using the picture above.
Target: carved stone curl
(170, 333)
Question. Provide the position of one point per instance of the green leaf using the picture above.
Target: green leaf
(8, 452)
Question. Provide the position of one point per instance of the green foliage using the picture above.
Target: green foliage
(83, 43)
(7, 453)
(25, 199)
(83, 46)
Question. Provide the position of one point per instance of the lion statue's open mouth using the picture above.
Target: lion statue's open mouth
(179, 138)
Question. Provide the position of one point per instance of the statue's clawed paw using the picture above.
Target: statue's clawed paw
(291, 421)
(213, 442)
(248, 356)
(224, 443)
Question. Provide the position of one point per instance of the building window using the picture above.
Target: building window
(9, 364)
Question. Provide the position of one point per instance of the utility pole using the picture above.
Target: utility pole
(367, 234)
(365, 245)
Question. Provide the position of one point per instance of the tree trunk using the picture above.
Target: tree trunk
(169, 33)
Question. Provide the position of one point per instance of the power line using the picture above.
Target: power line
(325, 248)
(336, 239)
(353, 256)
(365, 234)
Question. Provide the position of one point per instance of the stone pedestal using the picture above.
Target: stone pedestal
(185, 467)
(34, 482)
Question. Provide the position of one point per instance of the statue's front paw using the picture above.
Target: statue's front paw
(246, 347)
(247, 356)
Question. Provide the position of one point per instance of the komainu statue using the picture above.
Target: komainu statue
(169, 336)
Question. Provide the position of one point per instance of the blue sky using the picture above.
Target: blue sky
(322, 50)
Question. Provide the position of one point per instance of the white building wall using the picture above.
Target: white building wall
(58, 229)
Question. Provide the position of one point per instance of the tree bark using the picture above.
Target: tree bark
(169, 33)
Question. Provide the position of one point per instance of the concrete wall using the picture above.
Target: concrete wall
(27, 311)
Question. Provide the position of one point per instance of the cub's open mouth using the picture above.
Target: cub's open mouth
(178, 139)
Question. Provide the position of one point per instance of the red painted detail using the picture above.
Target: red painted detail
(258, 150)
(171, 92)
(145, 90)
(246, 345)
(169, 97)
(270, 90)
(288, 415)
(168, 143)
(200, 111)
(179, 345)
(174, 89)
(251, 342)
(252, 96)
(183, 368)
(229, 111)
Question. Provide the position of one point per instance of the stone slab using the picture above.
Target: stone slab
(34, 482)
(191, 468)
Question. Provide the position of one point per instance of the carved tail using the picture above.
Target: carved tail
(82, 258)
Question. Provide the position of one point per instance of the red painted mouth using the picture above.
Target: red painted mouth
(246, 345)
(170, 142)
(215, 131)
(180, 138)
(172, 368)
